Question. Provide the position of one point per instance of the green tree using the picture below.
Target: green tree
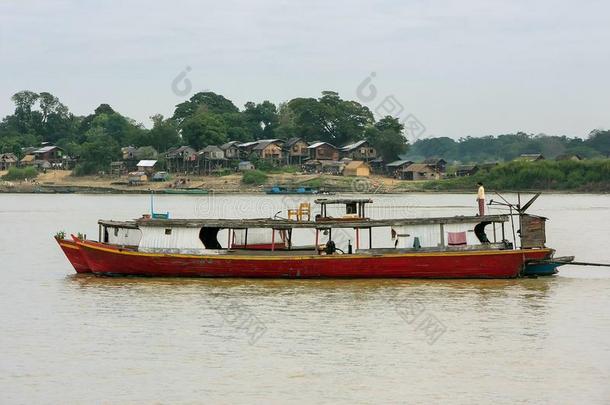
(204, 129)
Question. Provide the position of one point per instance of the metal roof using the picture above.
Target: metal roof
(353, 145)
(146, 163)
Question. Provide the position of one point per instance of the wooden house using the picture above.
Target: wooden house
(397, 168)
(361, 150)
(8, 160)
(231, 150)
(146, 166)
(269, 149)
(421, 171)
(440, 165)
(466, 170)
(182, 159)
(357, 168)
(530, 157)
(323, 151)
(211, 159)
(295, 151)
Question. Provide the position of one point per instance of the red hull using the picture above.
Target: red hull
(470, 264)
(73, 253)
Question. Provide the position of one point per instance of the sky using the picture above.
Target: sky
(455, 68)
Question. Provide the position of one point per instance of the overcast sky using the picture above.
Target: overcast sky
(460, 67)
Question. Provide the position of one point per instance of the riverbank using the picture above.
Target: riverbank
(62, 181)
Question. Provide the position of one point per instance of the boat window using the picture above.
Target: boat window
(168, 231)
(209, 238)
(116, 231)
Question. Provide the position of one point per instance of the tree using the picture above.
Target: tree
(600, 141)
(207, 101)
(204, 129)
(387, 137)
(330, 118)
(164, 133)
(97, 152)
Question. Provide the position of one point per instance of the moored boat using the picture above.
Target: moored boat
(443, 247)
(73, 254)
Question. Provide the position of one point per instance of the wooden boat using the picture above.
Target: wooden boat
(186, 191)
(443, 247)
(73, 254)
(291, 190)
(114, 235)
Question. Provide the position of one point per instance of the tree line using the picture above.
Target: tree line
(205, 119)
(208, 118)
(508, 147)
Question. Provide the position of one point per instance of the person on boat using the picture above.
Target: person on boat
(481, 198)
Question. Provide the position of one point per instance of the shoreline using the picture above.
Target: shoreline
(62, 182)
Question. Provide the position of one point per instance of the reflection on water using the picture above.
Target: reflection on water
(80, 339)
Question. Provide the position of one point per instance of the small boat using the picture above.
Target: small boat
(291, 190)
(73, 254)
(442, 247)
(186, 191)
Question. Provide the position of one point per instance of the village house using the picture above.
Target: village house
(530, 157)
(421, 171)
(245, 149)
(131, 155)
(569, 156)
(361, 150)
(323, 151)
(231, 150)
(397, 168)
(147, 167)
(8, 160)
(357, 168)
(44, 157)
(211, 159)
(245, 166)
(295, 150)
(269, 149)
(181, 159)
(378, 166)
(440, 165)
(466, 170)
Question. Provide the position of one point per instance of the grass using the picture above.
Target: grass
(254, 177)
(21, 173)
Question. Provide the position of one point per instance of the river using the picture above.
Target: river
(85, 339)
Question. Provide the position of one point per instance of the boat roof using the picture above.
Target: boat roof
(118, 224)
(326, 224)
(342, 200)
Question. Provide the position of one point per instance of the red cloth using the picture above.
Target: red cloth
(481, 207)
(456, 238)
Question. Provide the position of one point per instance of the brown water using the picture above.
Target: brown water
(82, 339)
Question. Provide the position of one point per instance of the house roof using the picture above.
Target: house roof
(146, 163)
(530, 156)
(420, 168)
(263, 143)
(8, 157)
(398, 163)
(466, 167)
(318, 144)
(178, 150)
(434, 161)
(353, 146)
(354, 164)
(46, 149)
(211, 148)
(227, 145)
(292, 141)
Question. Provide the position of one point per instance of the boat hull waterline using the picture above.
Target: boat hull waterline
(106, 260)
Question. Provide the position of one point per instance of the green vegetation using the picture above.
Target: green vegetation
(205, 119)
(19, 173)
(254, 177)
(587, 175)
(508, 147)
